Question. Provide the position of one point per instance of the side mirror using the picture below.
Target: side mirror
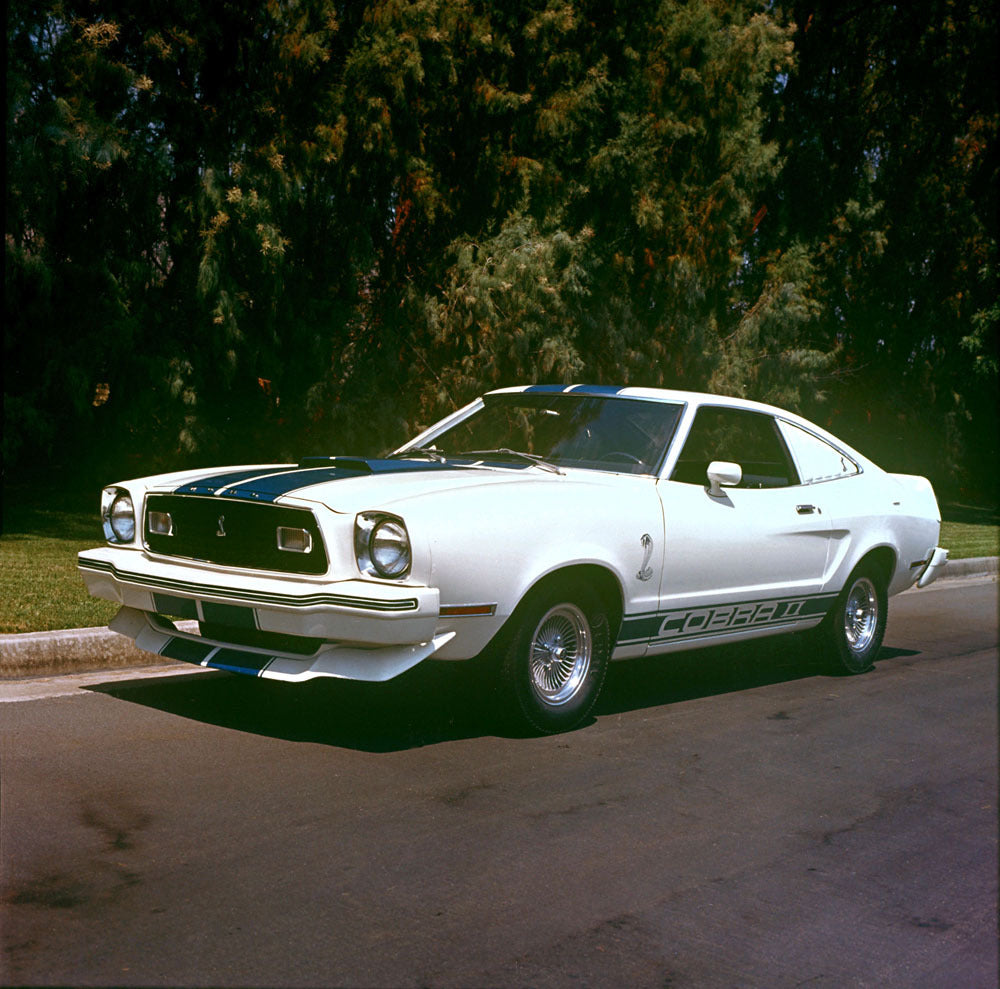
(722, 472)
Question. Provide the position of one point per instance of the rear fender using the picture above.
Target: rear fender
(917, 496)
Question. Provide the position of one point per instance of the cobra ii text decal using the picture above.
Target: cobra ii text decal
(690, 623)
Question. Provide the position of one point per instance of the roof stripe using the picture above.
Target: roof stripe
(596, 390)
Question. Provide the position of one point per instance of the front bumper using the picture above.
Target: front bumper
(367, 630)
(360, 611)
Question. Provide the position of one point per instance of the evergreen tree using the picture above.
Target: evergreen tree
(255, 230)
(890, 129)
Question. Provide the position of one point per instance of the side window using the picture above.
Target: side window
(749, 439)
(816, 459)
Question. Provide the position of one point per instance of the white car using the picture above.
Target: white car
(553, 528)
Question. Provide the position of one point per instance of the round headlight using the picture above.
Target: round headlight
(121, 518)
(389, 546)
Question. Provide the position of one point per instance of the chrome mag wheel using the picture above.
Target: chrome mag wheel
(561, 652)
(853, 630)
(554, 658)
(861, 616)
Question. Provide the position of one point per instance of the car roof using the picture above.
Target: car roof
(648, 394)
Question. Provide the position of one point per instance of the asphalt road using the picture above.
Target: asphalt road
(735, 817)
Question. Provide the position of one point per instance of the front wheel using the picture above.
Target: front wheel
(856, 626)
(554, 665)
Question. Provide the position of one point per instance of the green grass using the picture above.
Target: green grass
(40, 588)
(964, 540)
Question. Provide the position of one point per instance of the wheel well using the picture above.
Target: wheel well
(882, 560)
(588, 576)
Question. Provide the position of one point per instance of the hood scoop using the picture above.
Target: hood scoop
(358, 464)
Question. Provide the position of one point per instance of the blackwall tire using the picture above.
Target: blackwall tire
(556, 659)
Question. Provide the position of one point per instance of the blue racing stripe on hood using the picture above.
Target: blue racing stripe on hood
(211, 483)
(271, 485)
(275, 485)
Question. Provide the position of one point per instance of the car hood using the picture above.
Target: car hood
(385, 489)
(352, 484)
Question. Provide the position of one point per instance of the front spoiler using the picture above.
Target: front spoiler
(374, 665)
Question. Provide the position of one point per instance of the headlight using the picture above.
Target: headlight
(382, 545)
(118, 515)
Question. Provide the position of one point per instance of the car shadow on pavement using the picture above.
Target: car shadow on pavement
(424, 706)
(440, 702)
(672, 678)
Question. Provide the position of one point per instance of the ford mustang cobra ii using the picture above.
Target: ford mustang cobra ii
(553, 528)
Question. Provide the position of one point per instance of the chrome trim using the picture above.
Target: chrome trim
(467, 610)
(244, 596)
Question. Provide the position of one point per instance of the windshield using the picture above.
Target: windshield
(613, 434)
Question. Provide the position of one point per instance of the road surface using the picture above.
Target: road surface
(733, 817)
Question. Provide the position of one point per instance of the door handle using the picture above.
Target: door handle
(808, 509)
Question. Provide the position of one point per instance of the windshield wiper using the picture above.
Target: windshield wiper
(532, 458)
(418, 451)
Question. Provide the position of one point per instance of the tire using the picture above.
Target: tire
(555, 659)
(856, 626)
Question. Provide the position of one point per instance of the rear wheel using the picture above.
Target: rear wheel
(556, 657)
(856, 626)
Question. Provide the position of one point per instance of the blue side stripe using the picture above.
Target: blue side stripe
(679, 625)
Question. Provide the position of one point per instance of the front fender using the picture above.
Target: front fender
(492, 546)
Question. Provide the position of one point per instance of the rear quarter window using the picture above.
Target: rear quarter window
(815, 458)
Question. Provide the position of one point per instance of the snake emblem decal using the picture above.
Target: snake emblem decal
(646, 571)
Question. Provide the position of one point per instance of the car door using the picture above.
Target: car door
(754, 555)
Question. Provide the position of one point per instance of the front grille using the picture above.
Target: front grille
(277, 641)
(234, 533)
(232, 635)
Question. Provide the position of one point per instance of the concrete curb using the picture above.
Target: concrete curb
(977, 566)
(76, 650)
(71, 650)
